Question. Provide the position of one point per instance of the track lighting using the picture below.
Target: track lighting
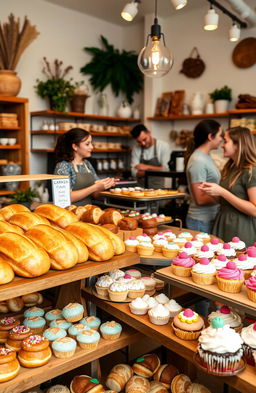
(178, 4)
(154, 59)
(234, 33)
(211, 20)
(130, 10)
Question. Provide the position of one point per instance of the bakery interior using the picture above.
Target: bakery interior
(57, 263)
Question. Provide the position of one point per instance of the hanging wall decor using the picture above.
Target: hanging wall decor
(193, 66)
(244, 54)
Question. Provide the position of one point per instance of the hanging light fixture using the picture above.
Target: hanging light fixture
(155, 59)
(211, 19)
(234, 32)
(178, 4)
(130, 10)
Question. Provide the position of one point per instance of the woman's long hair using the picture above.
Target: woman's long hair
(201, 132)
(246, 154)
(63, 150)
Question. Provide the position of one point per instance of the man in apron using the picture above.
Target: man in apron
(148, 154)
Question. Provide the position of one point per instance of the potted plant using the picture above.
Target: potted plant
(24, 197)
(221, 98)
(13, 41)
(111, 66)
(56, 88)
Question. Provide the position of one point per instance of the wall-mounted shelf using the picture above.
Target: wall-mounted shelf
(9, 128)
(10, 147)
(188, 117)
(108, 134)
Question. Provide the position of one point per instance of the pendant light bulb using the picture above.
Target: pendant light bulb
(130, 11)
(211, 20)
(234, 33)
(179, 4)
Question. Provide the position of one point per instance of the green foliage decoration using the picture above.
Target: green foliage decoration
(24, 196)
(225, 93)
(110, 66)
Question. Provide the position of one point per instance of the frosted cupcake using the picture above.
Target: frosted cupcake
(162, 298)
(118, 292)
(226, 250)
(251, 255)
(88, 339)
(220, 348)
(91, 322)
(219, 261)
(116, 273)
(196, 243)
(34, 312)
(75, 329)
(126, 279)
(61, 323)
(144, 238)
(203, 273)
(159, 244)
(230, 278)
(149, 283)
(186, 235)
(187, 325)
(53, 333)
(53, 314)
(159, 235)
(238, 245)
(182, 265)
(145, 249)
(229, 316)
(73, 312)
(111, 330)
(135, 273)
(169, 235)
(204, 252)
(214, 245)
(151, 302)
(159, 315)
(131, 244)
(180, 241)
(64, 348)
(36, 324)
(138, 306)
(174, 307)
(248, 335)
(102, 285)
(204, 237)
(189, 248)
(251, 288)
(136, 288)
(246, 265)
(170, 250)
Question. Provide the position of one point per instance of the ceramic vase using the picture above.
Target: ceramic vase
(197, 103)
(10, 83)
(221, 106)
(124, 110)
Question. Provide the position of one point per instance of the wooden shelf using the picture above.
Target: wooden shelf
(10, 128)
(42, 150)
(50, 113)
(188, 117)
(7, 192)
(4, 179)
(56, 132)
(20, 286)
(241, 111)
(29, 377)
(244, 382)
(10, 147)
(94, 151)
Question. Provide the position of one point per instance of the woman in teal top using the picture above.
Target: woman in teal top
(71, 151)
(237, 190)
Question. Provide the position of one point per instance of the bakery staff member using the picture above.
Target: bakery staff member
(149, 153)
(71, 151)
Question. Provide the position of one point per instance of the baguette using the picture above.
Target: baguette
(6, 272)
(99, 245)
(57, 215)
(62, 251)
(117, 242)
(10, 210)
(7, 227)
(80, 246)
(26, 259)
(27, 220)
(92, 215)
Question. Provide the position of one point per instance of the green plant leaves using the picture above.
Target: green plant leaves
(110, 66)
(225, 93)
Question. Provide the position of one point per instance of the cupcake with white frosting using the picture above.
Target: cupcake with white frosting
(131, 244)
(180, 241)
(219, 261)
(138, 306)
(248, 335)
(102, 285)
(152, 302)
(116, 273)
(186, 235)
(144, 238)
(204, 237)
(251, 255)
(162, 298)
(159, 244)
(159, 315)
(169, 235)
(118, 291)
(203, 273)
(145, 249)
(170, 250)
(136, 288)
(238, 245)
(204, 252)
(245, 264)
(229, 316)
(189, 248)
(135, 273)
(214, 245)
(228, 251)
(197, 243)
(174, 307)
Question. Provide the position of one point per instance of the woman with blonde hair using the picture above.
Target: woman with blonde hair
(237, 189)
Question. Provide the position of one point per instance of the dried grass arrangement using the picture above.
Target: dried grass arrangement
(13, 41)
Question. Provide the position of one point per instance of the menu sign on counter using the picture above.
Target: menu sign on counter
(61, 192)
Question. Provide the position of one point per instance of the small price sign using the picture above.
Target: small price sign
(61, 192)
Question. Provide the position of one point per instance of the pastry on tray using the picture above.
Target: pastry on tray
(203, 272)
(230, 278)
(188, 325)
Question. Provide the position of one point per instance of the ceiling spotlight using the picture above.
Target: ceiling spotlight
(211, 20)
(130, 10)
(154, 59)
(234, 33)
(178, 4)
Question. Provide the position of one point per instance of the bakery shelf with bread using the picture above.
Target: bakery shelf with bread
(29, 377)
(244, 381)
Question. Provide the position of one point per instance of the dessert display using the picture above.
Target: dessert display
(204, 252)
(118, 291)
(245, 264)
(230, 278)
(147, 365)
(64, 347)
(169, 249)
(159, 315)
(88, 339)
(34, 312)
(229, 316)
(91, 322)
(16, 335)
(35, 351)
(53, 333)
(203, 273)
(110, 330)
(9, 365)
(228, 251)
(188, 325)
(36, 324)
(53, 314)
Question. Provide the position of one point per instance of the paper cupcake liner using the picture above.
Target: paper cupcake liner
(220, 363)
(158, 248)
(231, 286)
(131, 248)
(251, 294)
(181, 271)
(146, 252)
(203, 279)
(101, 291)
(117, 296)
(138, 311)
(247, 274)
(248, 354)
(88, 346)
(110, 336)
(186, 335)
(158, 320)
(170, 253)
(134, 293)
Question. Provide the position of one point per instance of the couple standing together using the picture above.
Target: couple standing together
(223, 204)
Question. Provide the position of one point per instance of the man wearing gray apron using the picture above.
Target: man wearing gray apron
(148, 154)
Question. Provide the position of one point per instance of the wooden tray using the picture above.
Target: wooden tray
(241, 367)
(244, 54)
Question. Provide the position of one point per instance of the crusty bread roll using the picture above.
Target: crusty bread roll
(165, 374)
(15, 304)
(6, 272)
(157, 387)
(111, 217)
(7, 227)
(147, 365)
(84, 383)
(58, 389)
(10, 210)
(80, 246)
(99, 245)
(31, 299)
(26, 259)
(117, 242)
(197, 388)
(128, 224)
(56, 214)
(118, 377)
(91, 215)
(27, 220)
(111, 227)
(62, 251)
(137, 384)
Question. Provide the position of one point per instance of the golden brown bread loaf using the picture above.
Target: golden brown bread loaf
(10, 210)
(157, 387)
(58, 215)
(128, 224)
(91, 215)
(117, 242)
(26, 259)
(85, 384)
(111, 216)
(27, 220)
(6, 272)
(31, 299)
(62, 251)
(80, 246)
(111, 227)
(7, 227)
(99, 245)
(15, 304)
(118, 377)
(147, 365)
(79, 210)
(165, 374)
(137, 384)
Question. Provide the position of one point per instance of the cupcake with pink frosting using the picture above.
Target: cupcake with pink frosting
(204, 252)
(203, 273)
(188, 325)
(197, 243)
(131, 244)
(238, 245)
(219, 261)
(248, 335)
(170, 250)
(228, 251)
(189, 248)
(144, 238)
(182, 265)
(243, 263)
(214, 245)
(251, 255)
(230, 278)
(251, 288)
